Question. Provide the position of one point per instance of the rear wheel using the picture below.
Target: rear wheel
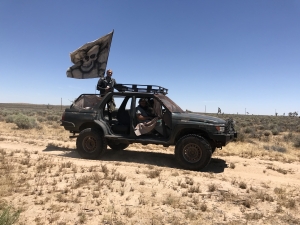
(193, 152)
(91, 143)
(117, 146)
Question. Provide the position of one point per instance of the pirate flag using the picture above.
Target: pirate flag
(90, 60)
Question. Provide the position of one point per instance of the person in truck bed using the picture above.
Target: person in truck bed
(106, 85)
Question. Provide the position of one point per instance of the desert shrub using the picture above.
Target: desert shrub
(255, 135)
(280, 129)
(41, 113)
(296, 141)
(266, 147)
(275, 148)
(30, 113)
(10, 118)
(6, 112)
(52, 117)
(288, 137)
(298, 128)
(265, 138)
(41, 119)
(25, 122)
(243, 124)
(275, 131)
(241, 137)
(273, 126)
(248, 130)
(267, 133)
(261, 127)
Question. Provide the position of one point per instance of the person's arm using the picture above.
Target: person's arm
(140, 117)
(100, 85)
(143, 118)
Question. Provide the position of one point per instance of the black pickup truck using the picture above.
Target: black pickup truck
(195, 136)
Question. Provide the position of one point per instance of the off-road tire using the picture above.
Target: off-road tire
(117, 146)
(213, 146)
(193, 152)
(91, 143)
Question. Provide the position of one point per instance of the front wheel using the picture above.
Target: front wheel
(91, 143)
(193, 152)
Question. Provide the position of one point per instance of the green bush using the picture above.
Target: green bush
(25, 122)
(8, 215)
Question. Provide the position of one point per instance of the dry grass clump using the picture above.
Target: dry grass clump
(153, 173)
(212, 187)
(171, 200)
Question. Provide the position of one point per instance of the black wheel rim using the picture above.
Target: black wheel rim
(89, 144)
(192, 153)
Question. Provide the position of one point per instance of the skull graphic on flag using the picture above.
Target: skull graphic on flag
(90, 60)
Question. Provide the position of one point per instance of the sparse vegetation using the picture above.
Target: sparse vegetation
(44, 172)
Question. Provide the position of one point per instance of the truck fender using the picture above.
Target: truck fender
(104, 127)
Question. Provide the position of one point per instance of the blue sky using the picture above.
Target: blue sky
(231, 54)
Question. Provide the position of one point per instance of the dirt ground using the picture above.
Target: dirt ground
(43, 176)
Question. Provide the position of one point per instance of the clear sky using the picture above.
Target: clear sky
(233, 54)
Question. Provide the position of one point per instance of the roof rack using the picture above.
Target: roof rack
(141, 88)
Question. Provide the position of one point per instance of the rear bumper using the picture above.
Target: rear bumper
(67, 125)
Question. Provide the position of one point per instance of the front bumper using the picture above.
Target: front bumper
(224, 139)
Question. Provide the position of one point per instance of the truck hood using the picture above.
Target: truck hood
(197, 118)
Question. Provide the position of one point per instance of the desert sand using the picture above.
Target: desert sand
(43, 176)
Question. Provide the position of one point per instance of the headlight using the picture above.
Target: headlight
(220, 129)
